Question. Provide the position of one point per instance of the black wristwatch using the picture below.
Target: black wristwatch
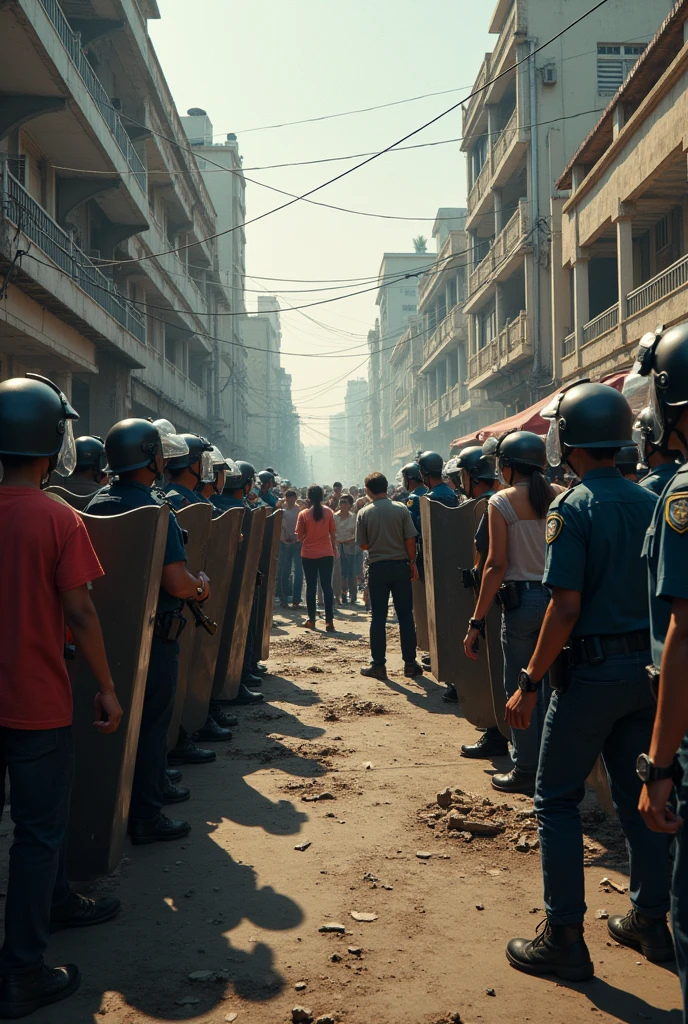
(649, 772)
(526, 684)
(476, 623)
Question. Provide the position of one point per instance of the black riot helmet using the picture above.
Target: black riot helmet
(626, 460)
(36, 421)
(200, 450)
(663, 358)
(266, 476)
(521, 448)
(90, 454)
(431, 464)
(248, 475)
(585, 415)
(411, 472)
(473, 462)
(132, 444)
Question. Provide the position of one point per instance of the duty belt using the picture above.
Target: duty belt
(593, 650)
(168, 626)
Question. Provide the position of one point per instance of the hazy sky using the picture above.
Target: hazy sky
(264, 62)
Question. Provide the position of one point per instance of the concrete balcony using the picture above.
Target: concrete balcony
(452, 329)
(509, 246)
(400, 416)
(432, 415)
(63, 279)
(481, 188)
(166, 380)
(476, 103)
(454, 245)
(511, 346)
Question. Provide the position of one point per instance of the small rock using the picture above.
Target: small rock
(423, 855)
(614, 885)
(202, 976)
(325, 1020)
(335, 958)
(332, 926)
(355, 950)
(367, 765)
(490, 992)
(602, 915)
(330, 814)
(389, 888)
(480, 906)
(303, 846)
(362, 916)
(327, 796)
(300, 986)
(300, 1015)
(370, 877)
(444, 799)
(231, 1017)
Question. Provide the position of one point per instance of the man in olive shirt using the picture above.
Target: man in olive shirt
(385, 530)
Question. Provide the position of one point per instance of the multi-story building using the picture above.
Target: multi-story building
(355, 417)
(440, 341)
(520, 131)
(338, 450)
(623, 261)
(221, 169)
(397, 299)
(110, 281)
(408, 398)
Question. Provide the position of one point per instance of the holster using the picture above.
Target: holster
(653, 676)
(560, 672)
(469, 579)
(509, 596)
(168, 626)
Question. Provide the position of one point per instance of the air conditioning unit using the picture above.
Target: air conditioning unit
(549, 74)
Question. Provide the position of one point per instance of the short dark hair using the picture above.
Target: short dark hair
(376, 483)
(337, 483)
(290, 493)
(348, 499)
(599, 454)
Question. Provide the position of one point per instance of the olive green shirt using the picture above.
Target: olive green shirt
(385, 526)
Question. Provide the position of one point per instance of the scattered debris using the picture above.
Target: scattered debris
(335, 958)
(317, 669)
(313, 798)
(361, 916)
(231, 1017)
(370, 877)
(444, 799)
(303, 846)
(300, 1015)
(476, 828)
(367, 765)
(602, 915)
(613, 885)
(480, 906)
(423, 855)
(202, 976)
(355, 950)
(325, 1020)
(187, 1001)
(490, 992)
(332, 926)
(300, 986)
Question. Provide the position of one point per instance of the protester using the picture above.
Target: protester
(345, 570)
(290, 554)
(334, 497)
(385, 531)
(513, 574)
(316, 529)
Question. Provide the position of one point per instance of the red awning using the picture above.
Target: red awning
(528, 419)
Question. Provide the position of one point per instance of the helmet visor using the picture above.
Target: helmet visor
(172, 444)
(500, 475)
(231, 468)
(207, 468)
(218, 458)
(553, 444)
(66, 460)
(637, 391)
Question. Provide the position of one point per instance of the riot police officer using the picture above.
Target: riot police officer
(136, 452)
(413, 482)
(602, 703)
(238, 480)
(664, 358)
(221, 468)
(190, 473)
(658, 461)
(431, 466)
(266, 480)
(627, 462)
(89, 473)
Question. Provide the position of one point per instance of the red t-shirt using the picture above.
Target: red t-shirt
(315, 534)
(45, 550)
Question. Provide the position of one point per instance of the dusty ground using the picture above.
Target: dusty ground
(238, 898)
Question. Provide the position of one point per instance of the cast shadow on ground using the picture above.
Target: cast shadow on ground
(429, 700)
(620, 1005)
(186, 908)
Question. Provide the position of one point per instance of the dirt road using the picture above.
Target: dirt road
(245, 897)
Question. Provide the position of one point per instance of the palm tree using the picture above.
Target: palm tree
(420, 244)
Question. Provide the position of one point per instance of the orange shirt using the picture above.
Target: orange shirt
(315, 535)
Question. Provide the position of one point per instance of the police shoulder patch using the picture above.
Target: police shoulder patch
(409, 503)
(555, 524)
(676, 512)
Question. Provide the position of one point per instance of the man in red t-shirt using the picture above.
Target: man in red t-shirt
(46, 564)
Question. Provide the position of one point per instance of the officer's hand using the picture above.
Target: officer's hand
(202, 578)
(108, 712)
(470, 643)
(519, 709)
(654, 798)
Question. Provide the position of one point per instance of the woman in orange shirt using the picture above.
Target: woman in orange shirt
(317, 530)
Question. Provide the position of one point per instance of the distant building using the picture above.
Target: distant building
(338, 448)
(355, 417)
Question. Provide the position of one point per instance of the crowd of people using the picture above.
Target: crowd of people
(583, 545)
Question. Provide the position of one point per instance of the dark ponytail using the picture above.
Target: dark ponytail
(541, 494)
(315, 496)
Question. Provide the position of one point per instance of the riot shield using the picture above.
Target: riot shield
(267, 566)
(447, 549)
(493, 644)
(219, 565)
(420, 615)
(131, 549)
(195, 519)
(230, 659)
(77, 501)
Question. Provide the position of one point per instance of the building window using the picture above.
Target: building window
(614, 63)
(408, 309)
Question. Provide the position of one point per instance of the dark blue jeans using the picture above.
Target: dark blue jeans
(147, 794)
(41, 767)
(520, 631)
(679, 893)
(290, 562)
(322, 567)
(385, 579)
(608, 709)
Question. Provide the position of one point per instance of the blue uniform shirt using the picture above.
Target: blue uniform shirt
(445, 495)
(413, 505)
(595, 534)
(223, 502)
(181, 497)
(666, 551)
(657, 479)
(268, 497)
(127, 495)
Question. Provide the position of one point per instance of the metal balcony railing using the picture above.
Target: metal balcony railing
(506, 244)
(71, 43)
(29, 217)
(601, 324)
(674, 277)
(504, 139)
(568, 345)
(453, 326)
(511, 344)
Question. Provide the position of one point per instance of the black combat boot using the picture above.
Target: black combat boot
(25, 993)
(173, 774)
(175, 794)
(412, 669)
(515, 781)
(222, 717)
(556, 949)
(246, 696)
(649, 935)
(450, 696)
(375, 672)
(81, 912)
(212, 731)
(158, 830)
(491, 744)
(187, 752)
